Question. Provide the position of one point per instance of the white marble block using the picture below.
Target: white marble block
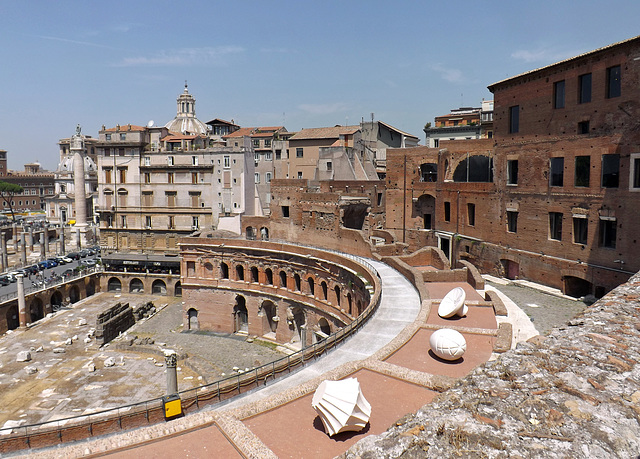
(448, 344)
(453, 304)
(341, 406)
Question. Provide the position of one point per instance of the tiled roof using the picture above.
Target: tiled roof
(125, 128)
(241, 132)
(325, 132)
(397, 130)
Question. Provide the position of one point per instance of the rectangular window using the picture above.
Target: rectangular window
(267, 156)
(172, 223)
(299, 152)
(583, 127)
(610, 171)
(613, 82)
(558, 94)
(123, 221)
(147, 221)
(285, 211)
(556, 175)
(123, 136)
(267, 143)
(584, 88)
(256, 156)
(226, 179)
(299, 174)
(107, 176)
(194, 160)
(635, 181)
(194, 178)
(195, 223)
(171, 199)
(123, 175)
(256, 143)
(257, 177)
(512, 221)
(329, 165)
(226, 163)
(107, 137)
(267, 177)
(147, 178)
(608, 233)
(555, 226)
(147, 161)
(447, 211)
(580, 229)
(471, 214)
(278, 154)
(195, 199)
(436, 143)
(583, 168)
(169, 177)
(147, 199)
(122, 199)
(121, 152)
(170, 161)
(512, 172)
(514, 119)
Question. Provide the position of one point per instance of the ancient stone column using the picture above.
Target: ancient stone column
(63, 249)
(15, 238)
(78, 241)
(23, 251)
(43, 252)
(3, 252)
(31, 238)
(171, 362)
(22, 304)
(45, 242)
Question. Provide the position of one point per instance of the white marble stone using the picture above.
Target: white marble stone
(448, 344)
(453, 304)
(341, 406)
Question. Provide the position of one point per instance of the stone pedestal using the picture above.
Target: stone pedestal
(22, 304)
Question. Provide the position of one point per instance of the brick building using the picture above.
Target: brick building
(550, 198)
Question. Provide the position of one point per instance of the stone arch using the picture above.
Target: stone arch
(114, 285)
(576, 286)
(250, 233)
(159, 287)
(208, 269)
(297, 282)
(254, 274)
(297, 321)
(428, 172)
(425, 209)
(192, 319)
(350, 303)
(324, 327)
(240, 315)
(74, 294)
(269, 312)
(325, 290)
(474, 168)
(264, 233)
(136, 286)
(312, 286)
(240, 272)
(56, 299)
(177, 289)
(269, 276)
(283, 279)
(511, 268)
(36, 310)
(13, 320)
(224, 270)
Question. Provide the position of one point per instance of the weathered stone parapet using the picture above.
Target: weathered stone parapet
(574, 393)
(112, 322)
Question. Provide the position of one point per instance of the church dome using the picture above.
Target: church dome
(185, 121)
(66, 165)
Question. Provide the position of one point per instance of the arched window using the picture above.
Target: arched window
(269, 275)
(337, 290)
(312, 287)
(324, 290)
(224, 271)
(240, 272)
(283, 279)
(296, 278)
(254, 274)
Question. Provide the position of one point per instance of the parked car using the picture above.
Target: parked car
(33, 269)
(90, 262)
(73, 255)
(53, 262)
(45, 264)
(4, 280)
(67, 273)
(64, 259)
(12, 275)
(84, 253)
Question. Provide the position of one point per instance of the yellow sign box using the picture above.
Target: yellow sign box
(172, 406)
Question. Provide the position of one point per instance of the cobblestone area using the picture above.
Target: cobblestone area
(572, 393)
(546, 311)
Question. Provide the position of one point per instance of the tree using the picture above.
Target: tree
(7, 192)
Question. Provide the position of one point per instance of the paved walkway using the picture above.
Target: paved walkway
(389, 357)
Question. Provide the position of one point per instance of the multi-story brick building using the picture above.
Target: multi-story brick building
(37, 184)
(464, 123)
(551, 197)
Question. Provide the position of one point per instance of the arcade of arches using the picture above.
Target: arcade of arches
(287, 294)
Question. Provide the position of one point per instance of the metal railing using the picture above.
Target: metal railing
(49, 283)
(49, 433)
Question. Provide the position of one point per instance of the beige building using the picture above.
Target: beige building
(157, 184)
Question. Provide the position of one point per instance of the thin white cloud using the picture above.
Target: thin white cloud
(541, 55)
(184, 56)
(448, 74)
(75, 42)
(324, 109)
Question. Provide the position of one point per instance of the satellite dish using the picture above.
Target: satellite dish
(150, 123)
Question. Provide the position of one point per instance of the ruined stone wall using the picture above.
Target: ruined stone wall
(112, 322)
(574, 393)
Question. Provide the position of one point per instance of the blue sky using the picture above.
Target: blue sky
(296, 63)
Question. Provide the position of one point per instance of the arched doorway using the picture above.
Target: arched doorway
(177, 290)
(91, 288)
(577, 287)
(511, 269)
(270, 320)
(193, 319)
(425, 208)
(299, 322)
(264, 233)
(36, 310)
(250, 233)
(241, 315)
(325, 328)
(158, 287)
(56, 300)
(114, 285)
(74, 294)
(13, 320)
(136, 286)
